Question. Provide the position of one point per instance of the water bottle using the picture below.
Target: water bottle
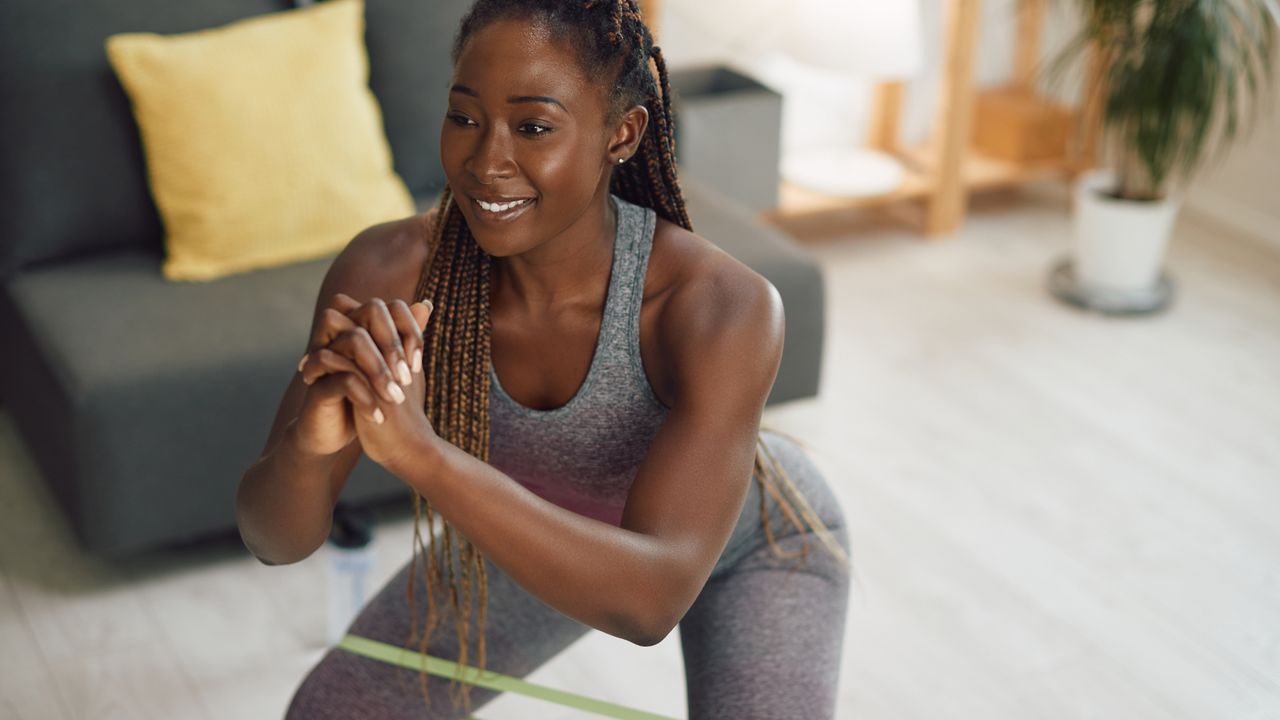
(350, 565)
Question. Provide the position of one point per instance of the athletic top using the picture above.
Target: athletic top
(584, 454)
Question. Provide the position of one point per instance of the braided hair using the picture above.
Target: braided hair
(611, 40)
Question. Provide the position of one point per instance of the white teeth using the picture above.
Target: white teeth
(499, 207)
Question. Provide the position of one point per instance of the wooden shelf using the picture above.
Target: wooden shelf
(978, 173)
(795, 201)
(941, 174)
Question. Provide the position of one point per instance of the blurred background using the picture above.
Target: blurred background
(1030, 255)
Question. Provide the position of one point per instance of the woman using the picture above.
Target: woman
(577, 396)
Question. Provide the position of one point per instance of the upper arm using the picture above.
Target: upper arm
(361, 271)
(725, 348)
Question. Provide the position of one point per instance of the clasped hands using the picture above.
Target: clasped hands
(371, 355)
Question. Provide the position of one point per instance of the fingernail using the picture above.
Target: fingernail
(402, 370)
(377, 415)
(303, 361)
(396, 393)
(417, 361)
(430, 305)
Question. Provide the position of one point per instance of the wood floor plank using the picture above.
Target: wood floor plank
(27, 689)
(138, 683)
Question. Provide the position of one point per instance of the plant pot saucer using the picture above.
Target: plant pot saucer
(1064, 286)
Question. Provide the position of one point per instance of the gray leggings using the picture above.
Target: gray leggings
(763, 640)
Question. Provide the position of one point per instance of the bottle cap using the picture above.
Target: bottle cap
(352, 527)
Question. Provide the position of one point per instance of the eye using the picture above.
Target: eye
(456, 119)
(535, 130)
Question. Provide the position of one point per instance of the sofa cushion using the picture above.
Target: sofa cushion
(264, 144)
(72, 171)
(143, 400)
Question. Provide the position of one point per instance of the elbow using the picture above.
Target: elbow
(272, 561)
(266, 558)
(654, 627)
(266, 544)
(637, 628)
(651, 638)
(276, 555)
(653, 633)
(663, 604)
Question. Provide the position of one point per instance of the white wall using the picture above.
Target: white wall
(685, 42)
(1242, 190)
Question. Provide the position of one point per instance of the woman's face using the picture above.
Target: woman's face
(523, 126)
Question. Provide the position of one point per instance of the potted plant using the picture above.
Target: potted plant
(1174, 79)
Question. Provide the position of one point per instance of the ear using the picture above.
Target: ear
(628, 134)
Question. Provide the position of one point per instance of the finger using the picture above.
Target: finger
(343, 302)
(361, 397)
(326, 362)
(422, 311)
(358, 345)
(410, 336)
(333, 322)
(376, 317)
(354, 388)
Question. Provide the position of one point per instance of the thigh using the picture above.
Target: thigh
(521, 633)
(808, 479)
(764, 638)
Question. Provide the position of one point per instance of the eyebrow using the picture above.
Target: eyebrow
(514, 99)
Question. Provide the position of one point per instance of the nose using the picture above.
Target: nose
(491, 158)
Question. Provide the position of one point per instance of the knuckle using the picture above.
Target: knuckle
(355, 335)
(355, 387)
(329, 357)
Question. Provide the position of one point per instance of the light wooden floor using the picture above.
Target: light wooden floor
(1054, 514)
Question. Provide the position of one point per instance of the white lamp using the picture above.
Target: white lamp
(824, 57)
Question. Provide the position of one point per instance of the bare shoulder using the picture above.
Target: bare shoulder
(715, 305)
(702, 280)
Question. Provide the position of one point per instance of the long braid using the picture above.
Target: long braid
(612, 40)
(456, 365)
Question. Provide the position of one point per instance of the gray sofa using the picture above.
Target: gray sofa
(143, 401)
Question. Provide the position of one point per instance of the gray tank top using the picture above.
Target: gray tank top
(584, 454)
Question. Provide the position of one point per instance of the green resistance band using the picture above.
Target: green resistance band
(394, 655)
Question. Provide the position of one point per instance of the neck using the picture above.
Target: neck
(572, 267)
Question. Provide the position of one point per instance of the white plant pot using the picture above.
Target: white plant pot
(1119, 245)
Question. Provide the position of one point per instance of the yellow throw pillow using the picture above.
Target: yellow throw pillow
(264, 144)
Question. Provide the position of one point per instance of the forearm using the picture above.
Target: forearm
(284, 506)
(604, 576)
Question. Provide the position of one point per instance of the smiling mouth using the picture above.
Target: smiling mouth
(502, 208)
